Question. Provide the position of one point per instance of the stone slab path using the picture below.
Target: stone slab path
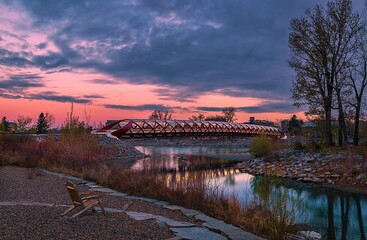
(211, 228)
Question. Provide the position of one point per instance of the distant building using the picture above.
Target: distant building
(261, 122)
(12, 127)
(252, 120)
(308, 125)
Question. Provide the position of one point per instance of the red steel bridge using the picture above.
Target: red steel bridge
(128, 128)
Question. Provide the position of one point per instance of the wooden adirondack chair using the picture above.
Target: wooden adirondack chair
(84, 201)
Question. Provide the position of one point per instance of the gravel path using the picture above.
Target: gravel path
(35, 222)
(23, 222)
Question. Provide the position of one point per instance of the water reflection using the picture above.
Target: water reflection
(334, 214)
(189, 158)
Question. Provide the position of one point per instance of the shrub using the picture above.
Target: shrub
(260, 146)
(75, 151)
(297, 145)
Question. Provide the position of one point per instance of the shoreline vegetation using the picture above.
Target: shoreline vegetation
(85, 155)
(68, 155)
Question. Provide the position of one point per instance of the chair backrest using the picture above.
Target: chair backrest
(74, 195)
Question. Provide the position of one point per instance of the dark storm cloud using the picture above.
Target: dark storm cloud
(59, 70)
(10, 96)
(53, 96)
(103, 81)
(210, 109)
(138, 107)
(42, 45)
(21, 82)
(93, 96)
(13, 59)
(24, 59)
(237, 48)
(146, 107)
(264, 107)
(285, 107)
(52, 60)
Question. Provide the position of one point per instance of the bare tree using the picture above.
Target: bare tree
(199, 117)
(23, 122)
(358, 79)
(161, 115)
(321, 47)
(50, 119)
(229, 114)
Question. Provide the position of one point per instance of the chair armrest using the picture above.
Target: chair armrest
(91, 197)
(85, 194)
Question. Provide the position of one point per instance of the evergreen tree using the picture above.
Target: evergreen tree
(42, 125)
(294, 125)
(4, 125)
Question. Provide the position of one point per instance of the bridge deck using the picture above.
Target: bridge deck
(156, 128)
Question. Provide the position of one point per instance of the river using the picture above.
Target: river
(334, 214)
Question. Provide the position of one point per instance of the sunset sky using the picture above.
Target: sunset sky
(126, 58)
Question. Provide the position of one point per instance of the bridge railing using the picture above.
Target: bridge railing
(149, 127)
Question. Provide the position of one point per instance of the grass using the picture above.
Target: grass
(82, 155)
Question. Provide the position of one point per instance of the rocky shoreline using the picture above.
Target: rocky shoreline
(340, 170)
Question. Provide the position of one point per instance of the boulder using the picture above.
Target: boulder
(310, 235)
(361, 177)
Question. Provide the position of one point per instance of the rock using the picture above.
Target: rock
(306, 179)
(361, 177)
(310, 235)
(197, 233)
(335, 175)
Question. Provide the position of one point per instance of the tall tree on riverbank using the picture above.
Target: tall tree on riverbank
(321, 49)
(358, 78)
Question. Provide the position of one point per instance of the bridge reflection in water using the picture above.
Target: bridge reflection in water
(164, 128)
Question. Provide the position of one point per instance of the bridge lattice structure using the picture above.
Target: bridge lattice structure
(128, 128)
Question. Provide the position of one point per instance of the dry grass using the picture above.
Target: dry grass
(82, 155)
(267, 216)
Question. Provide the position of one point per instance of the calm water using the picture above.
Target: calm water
(334, 214)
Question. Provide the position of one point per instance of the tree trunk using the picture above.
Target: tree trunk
(343, 136)
(360, 218)
(330, 225)
(344, 209)
(328, 130)
(356, 123)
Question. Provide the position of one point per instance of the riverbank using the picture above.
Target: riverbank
(341, 170)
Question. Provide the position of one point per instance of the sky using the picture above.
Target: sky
(125, 58)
